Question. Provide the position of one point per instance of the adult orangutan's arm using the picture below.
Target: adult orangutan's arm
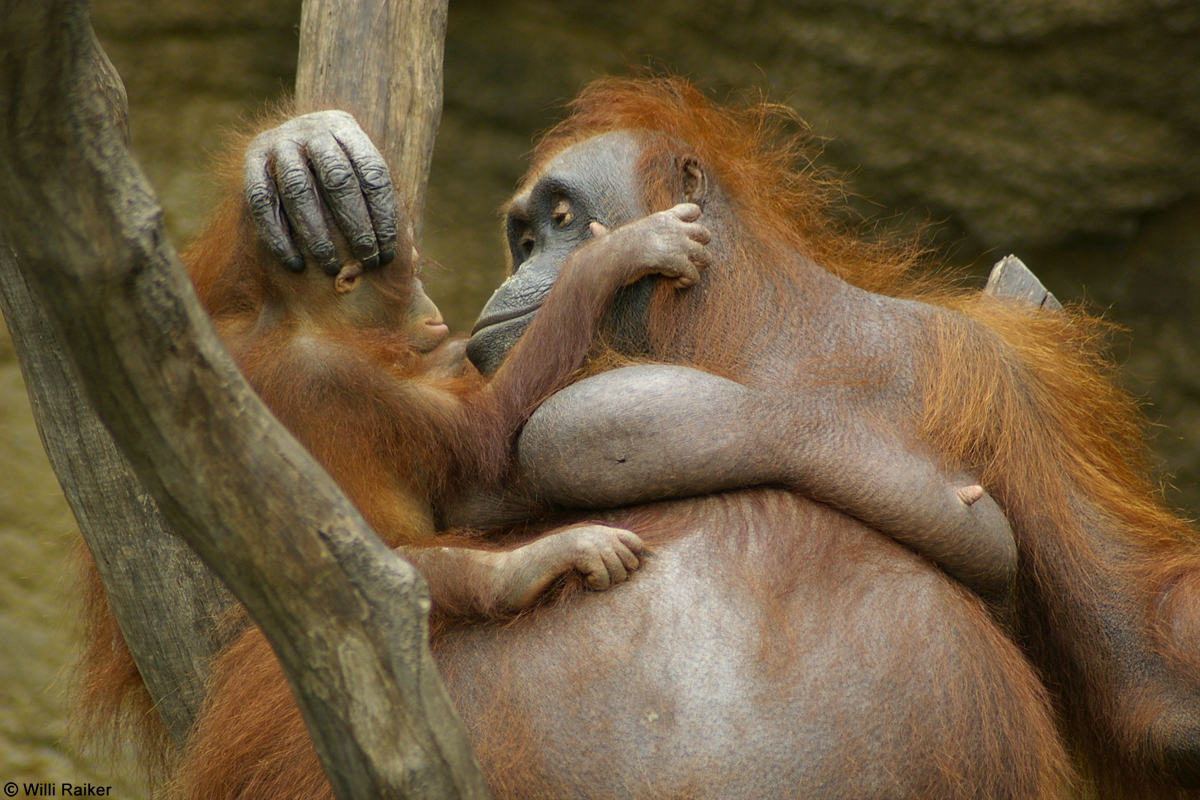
(651, 432)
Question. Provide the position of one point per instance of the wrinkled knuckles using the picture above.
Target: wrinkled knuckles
(294, 182)
(374, 177)
(260, 198)
(339, 179)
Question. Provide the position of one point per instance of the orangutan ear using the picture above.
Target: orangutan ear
(695, 183)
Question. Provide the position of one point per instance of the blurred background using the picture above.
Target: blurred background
(1065, 131)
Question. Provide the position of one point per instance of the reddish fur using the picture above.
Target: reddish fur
(984, 733)
(1035, 413)
(397, 442)
(392, 456)
(238, 761)
(252, 695)
(1027, 401)
(397, 433)
(113, 700)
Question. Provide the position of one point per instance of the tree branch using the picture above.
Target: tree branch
(167, 603)
(383, 62)
(347, 617)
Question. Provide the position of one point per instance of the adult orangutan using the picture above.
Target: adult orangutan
(1021, 398)
(774, 646)
(354, 359)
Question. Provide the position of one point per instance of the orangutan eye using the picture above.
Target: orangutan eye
(562, 213)
(526, 242)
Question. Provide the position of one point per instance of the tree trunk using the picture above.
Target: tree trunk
(382, 61)
(165, 600)
(347, 617)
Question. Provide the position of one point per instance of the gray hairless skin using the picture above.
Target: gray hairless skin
(649, 432)
(353, 178)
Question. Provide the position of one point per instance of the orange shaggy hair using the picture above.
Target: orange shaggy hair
(1028, 400)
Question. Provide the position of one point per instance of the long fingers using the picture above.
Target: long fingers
(289, 170)
(298, 193)
(375, 183)
(265, 205)
(342, 193)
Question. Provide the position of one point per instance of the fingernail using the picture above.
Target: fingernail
(371, 261)
(386, 257)
(332, 268)
(295, 263)
(970, 495)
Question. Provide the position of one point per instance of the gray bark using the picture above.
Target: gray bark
(166, 601)
(347, 617)
(383, 63)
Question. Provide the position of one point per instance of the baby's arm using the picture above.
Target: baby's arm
(465, 580)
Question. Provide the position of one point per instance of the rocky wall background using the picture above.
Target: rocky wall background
(1067, 131)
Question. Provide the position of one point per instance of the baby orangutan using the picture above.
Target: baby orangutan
(357, 364)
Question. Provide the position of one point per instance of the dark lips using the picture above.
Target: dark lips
(496, 319)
